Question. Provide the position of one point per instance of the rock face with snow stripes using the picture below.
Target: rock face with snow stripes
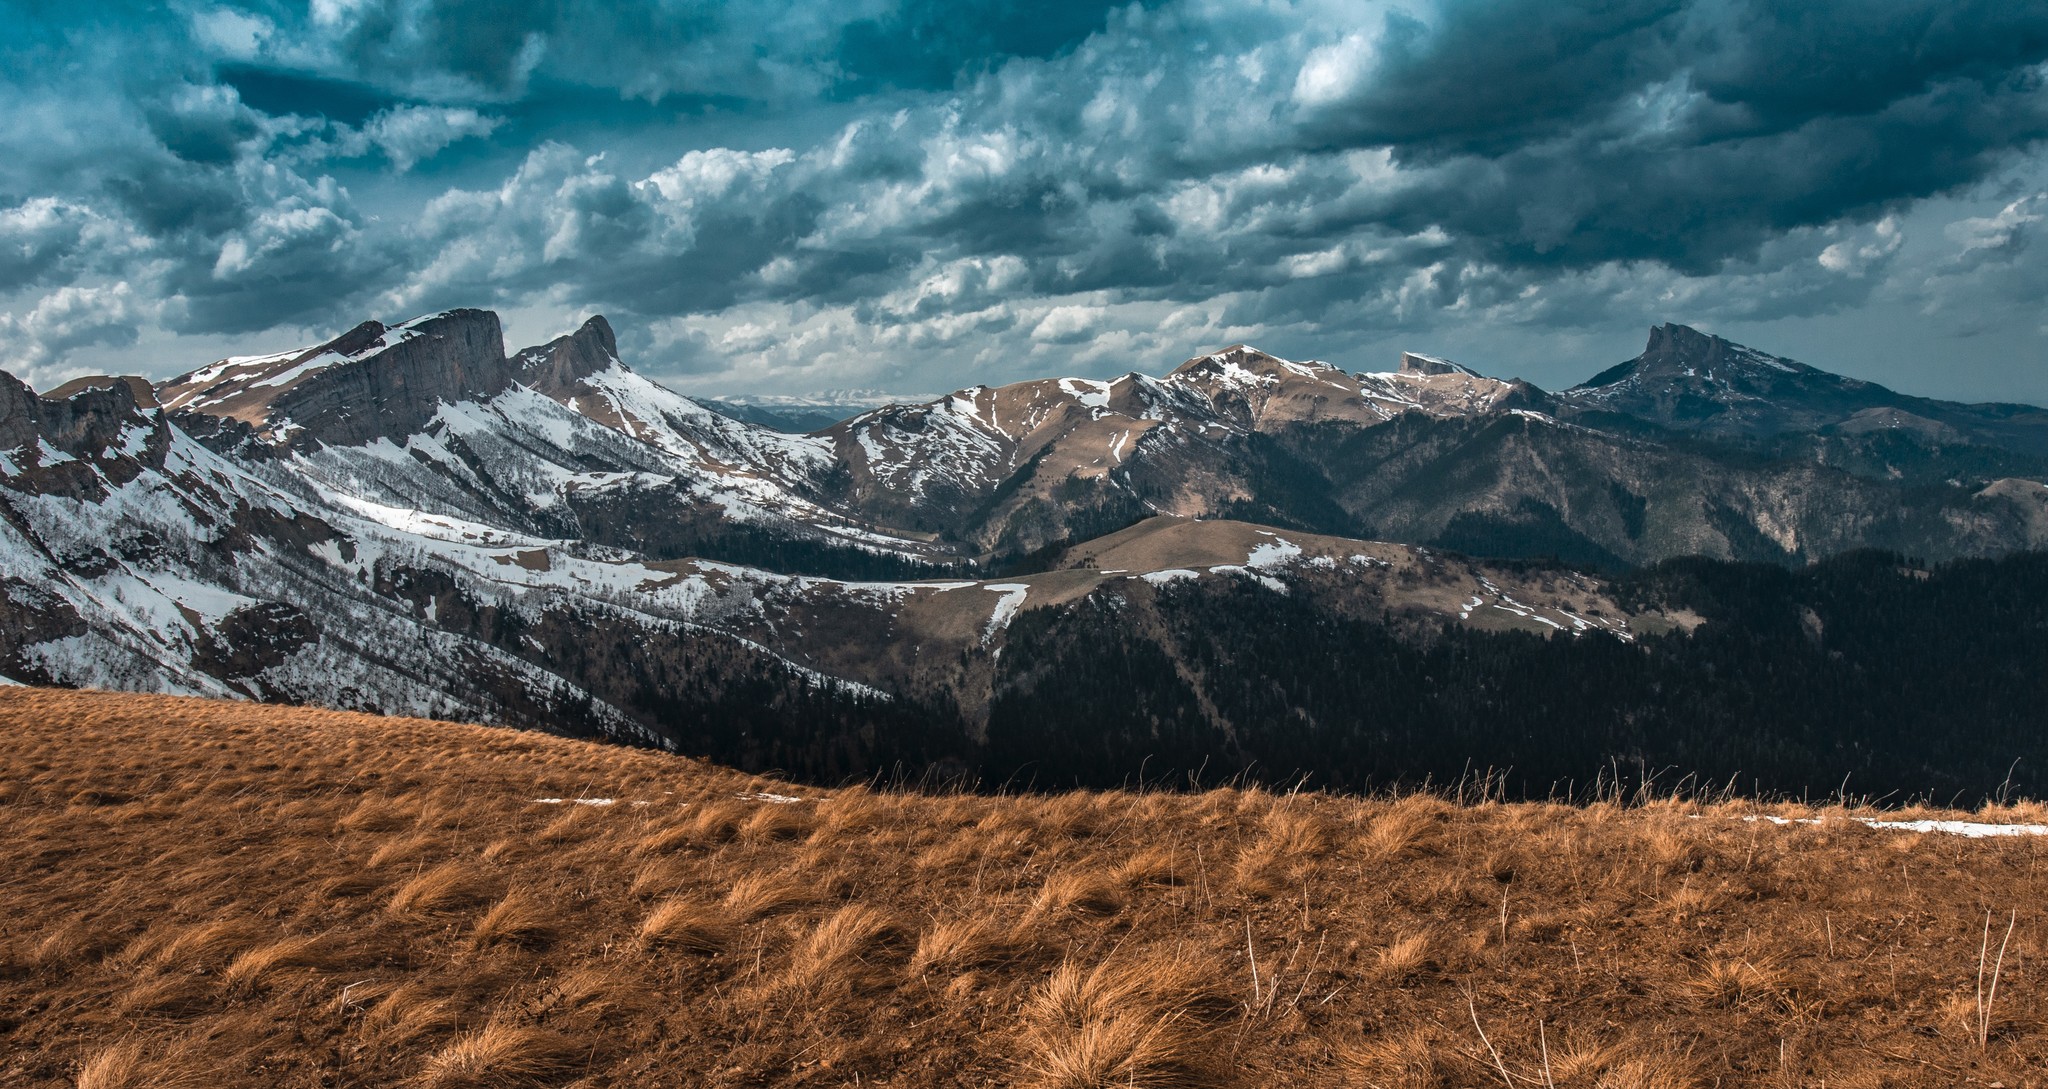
(1014, 467)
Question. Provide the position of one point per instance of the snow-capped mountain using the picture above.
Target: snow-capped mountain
(409, 518)
(560, 439)
(1017, 466)
(406, 574)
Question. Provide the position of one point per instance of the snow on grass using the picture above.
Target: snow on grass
(1171, 574)
(1268, 581)
(1005, 611)
(1091, 393)
(1966, 829)
(598, 802)
(764, 796)
(1277, 552)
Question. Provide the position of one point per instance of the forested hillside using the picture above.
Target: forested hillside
(1863, 672)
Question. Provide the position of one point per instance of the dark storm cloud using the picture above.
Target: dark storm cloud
(925, 43)
(281, 93)
(1647, 130)
(969, 181)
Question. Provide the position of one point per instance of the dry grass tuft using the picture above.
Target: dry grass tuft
(970, 943)
(847, 947)
(1088, 892)
(408, 1013)
(1402, 959)
(776, 823)
(1730, 982)
(444, 889)
(688, 925)
(501, 1055)
(666, 840)
(1161, 867)
(1407, 827)
(1403, 1059)
(758, 896)
(521, 918)
(134, 1064)
(303, 951)
(190, 945)
(1141, 1020)
(377, 813)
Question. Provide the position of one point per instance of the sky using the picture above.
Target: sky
(787, 196)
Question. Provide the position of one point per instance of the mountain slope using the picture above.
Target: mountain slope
(1013, 468)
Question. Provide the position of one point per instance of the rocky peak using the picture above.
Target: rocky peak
(1236, 360)
(372, 381)
(79, 431)
(1418, 365)
(454, 356)
(555, 368)
(1681, 354)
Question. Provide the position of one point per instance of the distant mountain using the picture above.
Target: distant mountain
(1692, 381)
(799, 415)
(1436, 453)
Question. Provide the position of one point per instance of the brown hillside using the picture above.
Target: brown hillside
(210, 894)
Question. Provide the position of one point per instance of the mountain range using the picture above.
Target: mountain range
(411, 518)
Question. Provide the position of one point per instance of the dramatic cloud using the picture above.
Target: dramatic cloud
(771, 195)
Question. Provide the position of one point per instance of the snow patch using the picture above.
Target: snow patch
(1275, 553)
(1966, 829)
(1091, 393)
(1014, 594)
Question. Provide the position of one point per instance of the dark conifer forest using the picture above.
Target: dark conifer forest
(1866, 673)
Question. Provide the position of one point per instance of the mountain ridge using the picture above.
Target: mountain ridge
(409, 519)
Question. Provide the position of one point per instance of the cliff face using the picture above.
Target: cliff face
(450, 357)
(558, 367)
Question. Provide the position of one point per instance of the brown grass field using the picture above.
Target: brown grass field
(209, 894)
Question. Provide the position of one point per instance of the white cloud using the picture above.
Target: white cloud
(67, 319)
(408, 135)
(1856, 257)
(1066, 324)
(229, 33)
(1334, 72)
(1999, 232)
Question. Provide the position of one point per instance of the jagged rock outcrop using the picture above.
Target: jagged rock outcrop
(451, 357)
(559, 367)
(372, 382)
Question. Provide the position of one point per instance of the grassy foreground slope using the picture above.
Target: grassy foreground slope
(212, 894)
